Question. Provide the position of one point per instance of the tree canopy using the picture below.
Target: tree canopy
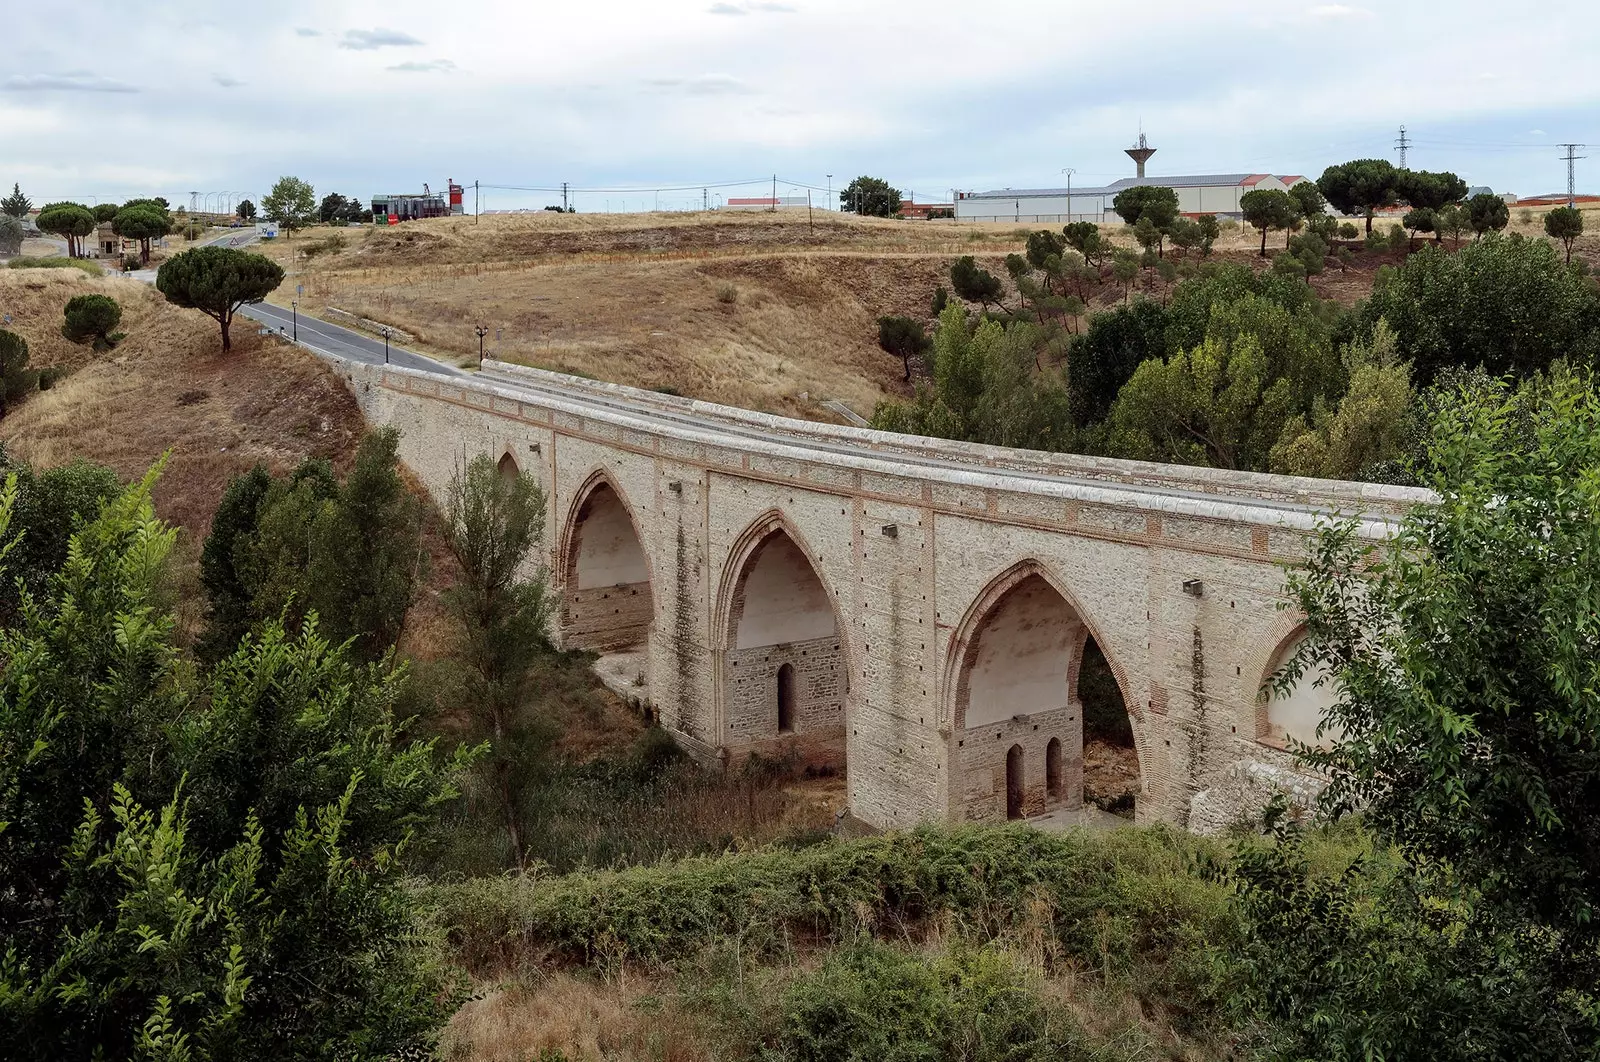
(1268, 209)
(291, 203)
(1505, 303)
(197, 867)
(1156, 204)
(71, 221)
(92, 319)
(870, 197)
(217, 281)
(16, 204)
(142, 220)
(1564, 224)
(1487, 212)
(1360, 187)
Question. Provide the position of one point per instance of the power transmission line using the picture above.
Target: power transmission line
(1403, 144)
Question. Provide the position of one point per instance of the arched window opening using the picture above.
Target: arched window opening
(1014, 783)
(786, 699)
(508, 467)
(1052, 769)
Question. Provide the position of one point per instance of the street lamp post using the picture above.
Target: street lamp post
(830, 191)
(384, 331)
(1069, 171)
(294, 318)
(482, 331)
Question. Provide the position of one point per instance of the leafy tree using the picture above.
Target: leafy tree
(16, 380)
(984, 388)
(1360, 187)
(972, 282)
(1042, 246)
(871, 197)
(1430, 192)
(1564, 224)
(350, 552)
(356, 212)
(1267, 209)
(1487, 212)
(1085, 238)
(1368, 426)
(1104, 357)
(1225, 401)
(1420, 219)
(51, 504)
(1156, 203)
(228, 595)
(1451, 220)
(291, 203)
(142, 221)
(1124, 267)
(496, 526)
(1347, 231)
(1310, 251)
(1505, 303)
(16, 204)
(92, 319)
(333, 208)
(1210, 229)
(104, 212)
(246, 210)
(1466, 704)
(217, 281)
(71, 221)
(199, 868)
(941, 299)
(903, 337)
(1308, 199)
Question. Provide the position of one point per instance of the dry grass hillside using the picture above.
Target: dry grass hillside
(167, 388)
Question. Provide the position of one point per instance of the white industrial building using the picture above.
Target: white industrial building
(1205, 194)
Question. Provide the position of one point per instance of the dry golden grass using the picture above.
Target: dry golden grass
(167, 388)
(582, 1016)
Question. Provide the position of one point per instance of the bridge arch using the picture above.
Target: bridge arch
(1012, 679)
(1282, 718)
(605, 570)
(782, 653)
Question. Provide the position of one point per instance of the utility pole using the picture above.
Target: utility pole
(1069, 171)
(1403, 144)
(563, 197)
(477, 209)
(705, 199)
(774, 193)
(830, 191)
(481, 331)
(1572, 157)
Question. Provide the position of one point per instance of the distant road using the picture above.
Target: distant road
(313, 333)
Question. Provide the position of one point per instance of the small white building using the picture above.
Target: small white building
(1205, 194)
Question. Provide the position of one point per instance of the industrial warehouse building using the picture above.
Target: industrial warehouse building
(1206, 194)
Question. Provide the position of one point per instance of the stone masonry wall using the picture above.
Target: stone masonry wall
(607, 618)
(819, 689)
(981, 756)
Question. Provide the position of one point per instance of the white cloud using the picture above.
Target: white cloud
(726, 9)
(357, 40)
(704, 85)
(749, 6)
(225, 81)
(1536, 132)
(73, 82)
(306, 31)
(431, 66)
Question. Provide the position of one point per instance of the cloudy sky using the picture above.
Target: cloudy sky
(110, 99)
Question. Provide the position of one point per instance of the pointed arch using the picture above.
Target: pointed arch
(507, 466)
(782, 648)
(1283, 718)
(1010, 682)
(605, 570)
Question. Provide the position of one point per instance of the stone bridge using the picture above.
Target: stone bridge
(916, 612)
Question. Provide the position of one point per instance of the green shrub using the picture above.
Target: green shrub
(91, 319)
(1127, 904)
(872, 1001)
(57, 262)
